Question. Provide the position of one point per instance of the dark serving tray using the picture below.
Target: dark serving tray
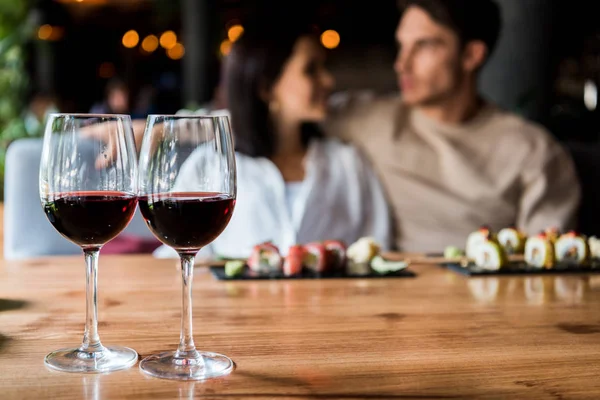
(247, 275)
(521, 268)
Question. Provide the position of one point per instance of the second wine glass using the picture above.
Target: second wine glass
(187, 192)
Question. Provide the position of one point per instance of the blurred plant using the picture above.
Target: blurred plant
(16, 28)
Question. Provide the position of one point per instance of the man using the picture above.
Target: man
(117, 99)
(451, 161)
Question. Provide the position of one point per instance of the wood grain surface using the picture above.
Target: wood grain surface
(438, 335)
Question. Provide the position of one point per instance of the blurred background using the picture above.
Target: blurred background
(145, 56)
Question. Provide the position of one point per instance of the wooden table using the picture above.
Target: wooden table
(439, 335)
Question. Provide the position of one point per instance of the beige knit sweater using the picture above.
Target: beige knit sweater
(445, 181)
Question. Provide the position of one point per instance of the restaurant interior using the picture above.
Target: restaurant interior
(392, 199)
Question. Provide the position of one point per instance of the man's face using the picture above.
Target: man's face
(118, 101)
(428, 64)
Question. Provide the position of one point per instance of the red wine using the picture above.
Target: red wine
(90, 218)
(187, 221)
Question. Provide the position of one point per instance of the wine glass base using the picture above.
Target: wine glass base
(206, 366)
(105, 360)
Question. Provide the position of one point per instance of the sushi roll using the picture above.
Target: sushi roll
(475, 239)
(265, 258)
(539, 251)
(552, 234)
(336, 255)
(594, 245)
(315, 257)
(512, 240)
(489, 255)
(572, 248)
(363, 250)
(360, 254)
(292, 264)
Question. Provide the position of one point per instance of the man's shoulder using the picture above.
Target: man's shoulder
(363, 104)
(518, 131)
(353, 114)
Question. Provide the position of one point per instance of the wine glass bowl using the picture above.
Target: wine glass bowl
(187, 192)
(89, 203)
(187, 221)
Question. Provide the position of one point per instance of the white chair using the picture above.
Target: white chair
(27, 231)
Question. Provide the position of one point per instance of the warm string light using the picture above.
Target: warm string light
(49, 32)
(235, 32)
(330, 39)
(225, 47)
(45, 31)
(168, 40)
(150, 43)
(176, 52)
(130, 39)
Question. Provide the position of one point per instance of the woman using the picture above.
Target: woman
(294, 185)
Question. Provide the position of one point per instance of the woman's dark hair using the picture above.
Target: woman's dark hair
(252, 67)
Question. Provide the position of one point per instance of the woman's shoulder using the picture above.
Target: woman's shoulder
(334, 148)
(335, 145)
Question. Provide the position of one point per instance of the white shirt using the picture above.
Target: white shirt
(340, 198)
(292, 190)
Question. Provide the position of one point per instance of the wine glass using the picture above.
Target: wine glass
(187, 192)
(89, 202)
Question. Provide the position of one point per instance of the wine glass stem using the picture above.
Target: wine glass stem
(91, 340)
(186, 348)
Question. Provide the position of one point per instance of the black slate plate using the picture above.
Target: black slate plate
(521, 268)
(247, 275)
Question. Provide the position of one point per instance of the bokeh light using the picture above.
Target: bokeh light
(225, 47)
(150, 43)
(44, 32)
(168, 40)
(176, 52)
(49, 32)
(330, 39)
(130, 39)
(235, 32)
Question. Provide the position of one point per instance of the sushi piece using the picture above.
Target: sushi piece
(490, 255)
(234, 268)
(315, 257)
(572, 248)
(383, 266)
(539, 251)
(451, 252)
(265, 258)
(358, 269)
(363, 250)
(552, 234)
(512, 240)
(594, 245)
(292, 265)
(475, 239)
(336, 255)
(360, 254)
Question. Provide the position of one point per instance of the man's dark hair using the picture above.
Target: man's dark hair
(252, 68)
(469, 19)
